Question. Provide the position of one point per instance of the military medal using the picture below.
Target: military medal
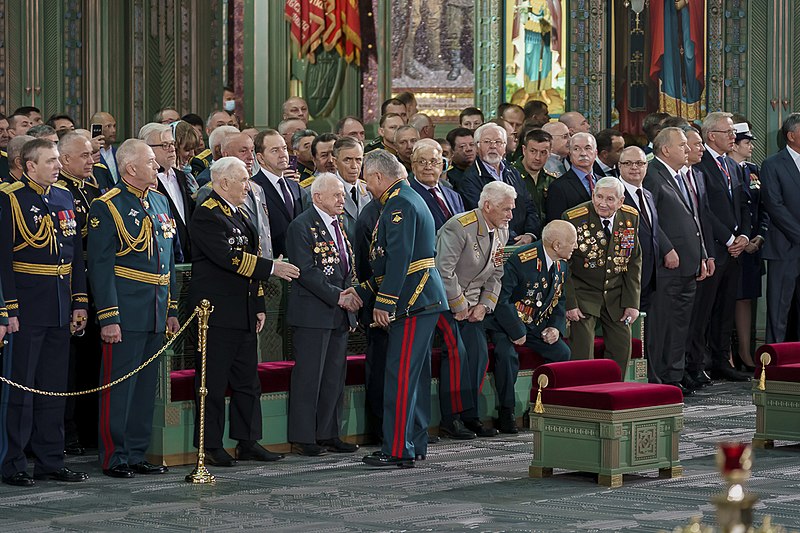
(167, 225)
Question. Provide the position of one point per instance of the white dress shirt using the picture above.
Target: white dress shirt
(170, 182)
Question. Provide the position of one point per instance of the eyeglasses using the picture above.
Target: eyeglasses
(487, 142)
(639, 164)
(428, 162)
(165, 146)
(730, 133)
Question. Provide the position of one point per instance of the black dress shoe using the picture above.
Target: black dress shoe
(149, 468)
(338, 446)
(729, 373)
(420, 457)
(256, 452)
(475, 425)
(121, 471)
(689, 383)
(383, 460)
(701, 377)
(684, 390)
(219, 457)
(74, 448)
(456, 430)
(63, 474)
(507, 422)
(20, 479)
(309, 450)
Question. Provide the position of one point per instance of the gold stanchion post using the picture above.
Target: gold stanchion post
(200, 474)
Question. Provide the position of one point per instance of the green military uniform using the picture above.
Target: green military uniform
(531, 300)
(201, 161)
(555, 166)
(405, 279)
(132, 275)
(605, 279)
(537, 187)
(102, 177)
(375, 144)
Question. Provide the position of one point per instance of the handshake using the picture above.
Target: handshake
(349, 300)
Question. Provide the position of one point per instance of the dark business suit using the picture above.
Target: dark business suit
(598, 171)
(671, 308)
(183, 252)
(780, 193)
(279, 216)
(525, 218)
(729, 216)
(564, 193)
(649, 234)
(452, 200)
(320, 327)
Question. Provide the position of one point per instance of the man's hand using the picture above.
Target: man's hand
(550, 335)
(629, 315)
(703, 271)
(737, 246)
(671, 260)
(97, 143)
(260, 318)
(290, 174)
(520, 341)
(381, 317)
(349, 300)
(173, 325)
(284, 270)
(711, 266)
(461, 315)
(573, 315)
(13, 324)
(476, 313)
(112, 333)
(519, 240)
(3, 332)
(79, 320)
(753, 246)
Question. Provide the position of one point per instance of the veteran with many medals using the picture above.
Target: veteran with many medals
(132, 276)
(531, 311)
(605, 273)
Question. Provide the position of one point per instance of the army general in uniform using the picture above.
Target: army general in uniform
(605, 273)
(132, 275)
(409, 296)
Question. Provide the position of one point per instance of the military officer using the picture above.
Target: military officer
(532, 167)
(132, 276)
(469, 256)
(530, 311)
(605, 273)
(227, 271)
(44, 283)
(409, 296)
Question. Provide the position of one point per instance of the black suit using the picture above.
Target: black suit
(671, 309)
(451, 199)
(729, 216)
(225, 270)
(525, 218)
(183, 254)
(279, 216)
(598, 172)
(564, 193)
(321, 327)
(649, 234)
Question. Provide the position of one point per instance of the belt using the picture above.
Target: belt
(42, 270)
(416, 266)
(141, 277)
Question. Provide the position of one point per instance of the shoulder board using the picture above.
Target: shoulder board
(577, 212)
(3, 153)
(156, 191)
(110, 194)
(550, 173)
(527, 255)
(11, 187)
(629, 209)
(61, 185)
(210, 203)
(306, 183)
(101, 165)
(395, 193)
(468, 218)
(205, 153)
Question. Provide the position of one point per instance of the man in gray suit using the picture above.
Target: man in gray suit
(469, 256)
(780, 192)
(683, 260)
(348, 155)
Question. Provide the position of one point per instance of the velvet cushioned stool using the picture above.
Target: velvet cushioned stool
(584, 418)
(778, 402)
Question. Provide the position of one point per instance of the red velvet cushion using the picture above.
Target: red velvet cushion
(780, 373)
(577, 373)
(783, 353)
(613, 396)
(275, 376)
(356, 370)
(182, 385)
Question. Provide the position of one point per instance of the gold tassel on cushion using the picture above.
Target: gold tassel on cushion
(538, 408)
(762, 380)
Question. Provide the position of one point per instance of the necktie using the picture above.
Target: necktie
(287, 198)
(344, 263)
(643, 207)
(590, 179)
(441, 203)
(354, 195)
(724, 168)
(682, 187)
(607, 227)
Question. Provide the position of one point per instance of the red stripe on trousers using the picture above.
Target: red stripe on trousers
(401, 407)
(105, 406)
(455, 364)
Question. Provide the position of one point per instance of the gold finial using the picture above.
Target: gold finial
(538, 408)
(766, 359)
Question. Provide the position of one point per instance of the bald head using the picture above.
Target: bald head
(76, 155)
(423, 124)
(560, 238)
(295, 107)
(109, 124)
(575, 121)
(560, 133)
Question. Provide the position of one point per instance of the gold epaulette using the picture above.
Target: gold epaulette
(550, 173)
(11, 187)
(629, 209)
(110, 194)
(60, 185)
(3, 153)
(468, 218)
(577, 212)
(101, 165)
(527, 255)
(205, 153)
(210, 203)
(306, 183)
(395, 193)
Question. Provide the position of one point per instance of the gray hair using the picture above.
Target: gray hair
(14, 148)
(426, 143)
(610, 182)
(41, 130)
(211, 115)
(582, 135)
(663, 138)
(484, 128)
(70, 139)
(420, 121)
(218, 135)
(284, 124)
(300, 135)
(152, 128)
(790, 124)
(224, 167)
(382, 162)
(324, 181)
(556, 230)
(127, 153)
(495, 192)
(711, 121)
(404, 128)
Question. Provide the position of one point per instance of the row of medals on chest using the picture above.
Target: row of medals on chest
(593, 247)
(326, 251)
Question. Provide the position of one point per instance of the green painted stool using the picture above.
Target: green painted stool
(776, 394)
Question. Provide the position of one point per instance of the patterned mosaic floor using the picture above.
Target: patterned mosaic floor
(480, 485)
